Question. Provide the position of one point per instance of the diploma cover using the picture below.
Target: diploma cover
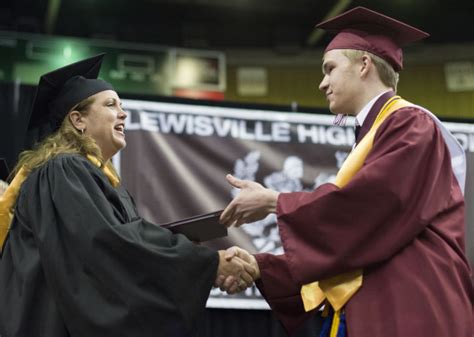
(199, 228)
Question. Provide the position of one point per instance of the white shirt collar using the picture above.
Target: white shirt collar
(362, 115)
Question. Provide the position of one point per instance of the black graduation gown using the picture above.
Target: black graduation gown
(80, 262)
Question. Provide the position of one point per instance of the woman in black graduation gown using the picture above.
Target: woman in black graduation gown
(78, 260)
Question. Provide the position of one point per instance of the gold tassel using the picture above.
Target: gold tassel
(335, 323)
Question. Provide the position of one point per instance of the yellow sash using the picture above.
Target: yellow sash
(8, 199)
(339, 289)
(7, 202)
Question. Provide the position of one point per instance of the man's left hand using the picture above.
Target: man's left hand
(254, 202)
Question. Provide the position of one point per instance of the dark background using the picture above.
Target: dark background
(216, 24)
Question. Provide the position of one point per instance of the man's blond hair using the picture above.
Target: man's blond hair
(386, 73)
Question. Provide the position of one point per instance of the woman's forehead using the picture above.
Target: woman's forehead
(106, 94)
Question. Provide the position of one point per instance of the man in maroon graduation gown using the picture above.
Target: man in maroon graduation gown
(400, 219)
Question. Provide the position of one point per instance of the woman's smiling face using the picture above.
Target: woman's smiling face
(105, 123)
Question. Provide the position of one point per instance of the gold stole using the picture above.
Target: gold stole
(8, 199)
(7, 202)
(339, 289)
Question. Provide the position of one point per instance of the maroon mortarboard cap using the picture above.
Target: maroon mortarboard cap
(4, 172)
(59, 91)
(363, 29)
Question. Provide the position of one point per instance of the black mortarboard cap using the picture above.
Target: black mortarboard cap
(59, 91)
(364, 29)
(4, 172)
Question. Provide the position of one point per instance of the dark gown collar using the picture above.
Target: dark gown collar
(374, 111)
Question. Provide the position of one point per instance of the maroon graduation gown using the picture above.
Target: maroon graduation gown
(400, 219)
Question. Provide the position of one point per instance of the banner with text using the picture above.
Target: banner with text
(177, 156)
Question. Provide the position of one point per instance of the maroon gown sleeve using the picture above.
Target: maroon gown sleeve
(281, 291)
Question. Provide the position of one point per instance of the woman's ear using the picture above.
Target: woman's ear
(77, 120)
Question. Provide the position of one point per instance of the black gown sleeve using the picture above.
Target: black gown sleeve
(111, 274)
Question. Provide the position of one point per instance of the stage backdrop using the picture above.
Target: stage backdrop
(177, 156)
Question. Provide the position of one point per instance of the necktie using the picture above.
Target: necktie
(357, 131)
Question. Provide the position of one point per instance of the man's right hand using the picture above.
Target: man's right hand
(238, 280)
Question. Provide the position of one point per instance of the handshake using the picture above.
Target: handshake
(237, 270)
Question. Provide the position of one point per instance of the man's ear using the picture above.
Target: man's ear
(77, 120)
(366, 64)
